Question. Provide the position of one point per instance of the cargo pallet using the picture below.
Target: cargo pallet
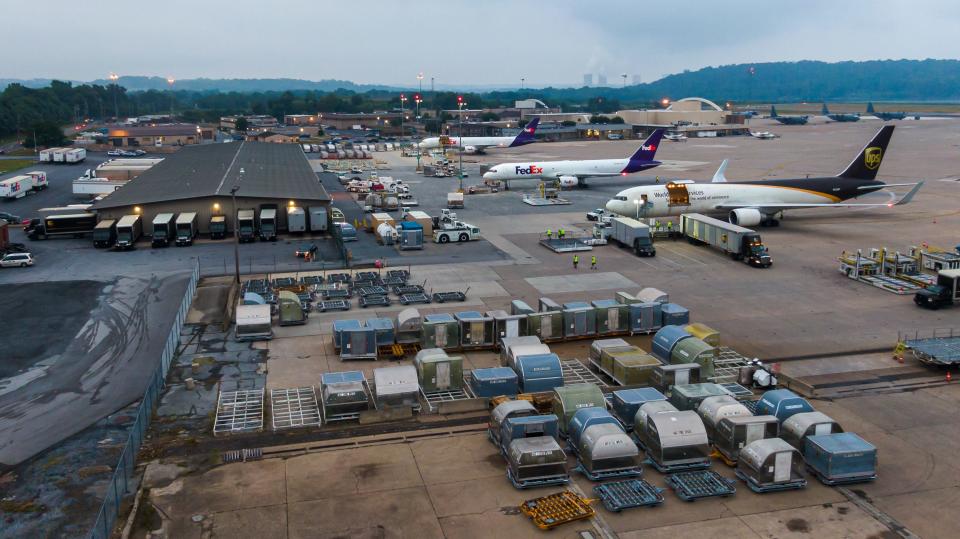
(619, 495)
(239, 411)
(294, 408)
(726, 365)
(407, 289)
(350, 416)
(443, 297)
(414, 298)
(566, 245)
(694, 467)
(434, 398)
(574, 372)
(556, 509)
(612, 474)
(842, 481)
(397, 351)
(941, 348)
(600, 370)
(539, 201)
(374, 301)
(337, 293)
(737, 391)
(760, 489)
(691, 486)
(333, 305)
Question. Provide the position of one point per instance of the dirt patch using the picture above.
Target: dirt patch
(366, 471)
(843, 509)
(798, 525)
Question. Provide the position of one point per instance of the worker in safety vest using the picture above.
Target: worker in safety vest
(593, 262)
(549, 233)
(669, 228)
(576, 261)
(561, 233)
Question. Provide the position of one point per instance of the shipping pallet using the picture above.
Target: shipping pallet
(443, 297)
(677, 468)
(374, 301)
(691, 486)
(575, 372)
(407, 289)
(414, 298)
(338, 293)
(842, 481)
(372, 291)
(435, 398)
(333, 305)
(311, 279)
(726, 365)
(737, 391)
(393, 281)
(760, 489)
(619, 495)
(600, 370)
(239, 411)
(556, 509)
(293, 408)
(635, 471)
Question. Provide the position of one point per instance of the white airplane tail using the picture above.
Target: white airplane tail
(718, 176)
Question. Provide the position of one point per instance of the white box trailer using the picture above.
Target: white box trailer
(75, 155)
(39, 179)
(84, 187)
(46, 156)
(15, 187)
(60, 156)
(738, 242)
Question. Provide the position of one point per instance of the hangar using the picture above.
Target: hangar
(200, 179)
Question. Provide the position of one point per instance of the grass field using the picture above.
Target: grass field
(8, 165)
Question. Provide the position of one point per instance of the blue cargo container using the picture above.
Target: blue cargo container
(494, 382)
(626, 402)
(645, 317)
(539, 372)
(587, 417)
(675, 315)
(612, 316)
(515, 428)
(328, 378)
(666, 339)
(339, 326)
(579, 319)
(840, 458)
(782, 403)
(383, 327)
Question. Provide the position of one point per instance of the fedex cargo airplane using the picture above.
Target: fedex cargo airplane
(762, 202)
(479, 144)
(573, 173)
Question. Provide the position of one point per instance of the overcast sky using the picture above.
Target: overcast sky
(472, 43)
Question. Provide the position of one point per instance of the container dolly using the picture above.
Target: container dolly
(691, 486)
(619, 495)
(556, 509)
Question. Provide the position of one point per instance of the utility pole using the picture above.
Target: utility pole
(236, 229)
(460, 105)
(170, 81)
(116, 110)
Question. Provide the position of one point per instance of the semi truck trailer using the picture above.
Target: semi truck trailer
(738, 242)
(633, 234)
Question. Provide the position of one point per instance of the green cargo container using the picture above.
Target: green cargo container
(437, 371)
(291, 310)
(612, 317)
(610, 355)
(546, 325)
(568, 399)
(694, 350)
(440, 331)
(635, 370)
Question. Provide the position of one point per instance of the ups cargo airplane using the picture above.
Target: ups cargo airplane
(762, 202)
(479, 144)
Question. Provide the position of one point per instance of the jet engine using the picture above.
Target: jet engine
(470, 149)
(746, 217)
(568, 181)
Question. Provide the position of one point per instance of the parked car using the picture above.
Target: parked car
(16, 260)
(10, 218)
(596, 214)
(115, 153)
(306, 248)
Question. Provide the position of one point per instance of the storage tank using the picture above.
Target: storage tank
(515, 427)
(840, 458)
(440, 331)
(409, 325)
(520, 307)
(675, 315)
(693, 350)
(705, 333)
(568, 399)
(650, 294)
(626, 402)
(585, 417)
(506, 325)
(799, 426)
(383, 328)
(494, 382)
(782, 403)
(396, 386)
(579, 320)
(612, 318)
(645, 317)
(476, 330)
(770, 465)
(642, 417)
(539, 372)
(436, 371)
(546, 325)
(634, 369)
(606, 451)
(665, 340)
(712, 410)
(677, 441)
(343, 393)
(547, 305)
(339, 326)
(613, 344)
(665, 377)
(513, 347)
(733, 433)
(689, 397)
(536, 462)
(505, 410)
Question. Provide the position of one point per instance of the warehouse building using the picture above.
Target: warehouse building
(157, 135)
(200, 178)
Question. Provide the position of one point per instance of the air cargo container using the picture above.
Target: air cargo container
(652, 295)
(606, 451)
(520, 307)
(665, 340)
(645, 317)
(547, 304)
(738, 242)
(771, 465)
(714, 409)
(665, 377)
(677, 441)
(410, 236)
(598, 346)
(164, 230)
(518, 426)
(339, 327)
(129, 230)
(396, 386)
(642, 417)
(253, 323)
(732, 434)
(539, 373)
(632, 234)
(187, 228)
(579, 320)
(612, 317)
(246, 226)
(798, 426)
(494, 382)
(503, 411)
(383, 329)
(626, 298)
(782, 403)
(674, 315)
(626, 402)
(268, 224)
(358, 343)
(437, 371)
(536, 462)
(318, 218)
(514, 347)
(693, 350)
(704, 332)
(841, 458)
(296, 220)
(689, 397)
(634, 369)
(290, 309)
(568, 399)
(584, 418)
(409, 326)
(440, 331)
(343, 393)
(105, 234)
(548, 326)
(507, 325)
(476, 330)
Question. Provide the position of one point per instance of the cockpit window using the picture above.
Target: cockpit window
(621, 197)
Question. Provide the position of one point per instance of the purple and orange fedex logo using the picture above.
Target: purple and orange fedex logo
(649, 147)
(528, 170)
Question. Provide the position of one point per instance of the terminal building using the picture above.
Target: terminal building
(200, 179)
(157, 135)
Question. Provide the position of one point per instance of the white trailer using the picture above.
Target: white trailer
(85, 187)
(738, 242)
(60, 156)
(39, 179)
(46, 156)
(75, 155)
(15, 187)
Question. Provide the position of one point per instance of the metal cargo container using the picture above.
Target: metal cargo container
(507, 325)
(689, 397)
(411, 236)
(476, 330)
(677, 441)
(704, 332)
(358, 343)
(714, 409)
(396, 386)
(343, 393)
(437, 371)
(494, 382)
(253, 323)
(665, 340)
(318, 218)
(666, 376)
(338, 328)
(539, 372)
(734, 433)
(504, 411)
(840, 458)
(520, 307)
(693, 350)
(383, 328)
(606, 451)
(771, 464)
(440, 331)
(649, 294)
(547, 304)
(409, 325)
(642, 417)
(585, 417)
(626, 299)
(546, 325)
(516, 427)
(296, 220)
(782, 403)
(612, 317)
(568, 399)
(535, 462)
(612, 344)
(634, 370)
(609, 356)
(579, 320)
(798, 426)
(674, 315)
(291, 310)
(626, 402)
(645, 317)
(513, 347)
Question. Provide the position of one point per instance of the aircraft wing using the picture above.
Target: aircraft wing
(905, 199)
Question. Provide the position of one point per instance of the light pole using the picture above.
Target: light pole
(522, 80)
(170, 81)
(403, 99)
(624, 75)
(418, 99)
(460, 105)
(236, 229)
(636, 202)
(116, 110)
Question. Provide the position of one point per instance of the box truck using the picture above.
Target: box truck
(105, 234)
(738, 242)
(163, 227)
(129, 230)
(633, 234)
(186, 228)
(268, 224)
(246, 228)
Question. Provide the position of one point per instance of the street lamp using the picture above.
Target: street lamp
(236, 229)
(624, 75)
(403, 99)
(636, 202)
(170, 81)
(116, 111)
(521, 83)
(460, 105)
(418, 99)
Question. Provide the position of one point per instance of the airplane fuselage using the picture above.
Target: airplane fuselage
(462, 142)
(556, 169)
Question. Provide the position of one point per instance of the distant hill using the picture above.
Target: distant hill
(141, 83)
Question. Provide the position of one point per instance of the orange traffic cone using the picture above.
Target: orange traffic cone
(948, 376)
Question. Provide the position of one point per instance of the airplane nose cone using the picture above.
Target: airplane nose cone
(612, 206)
(488, 175)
